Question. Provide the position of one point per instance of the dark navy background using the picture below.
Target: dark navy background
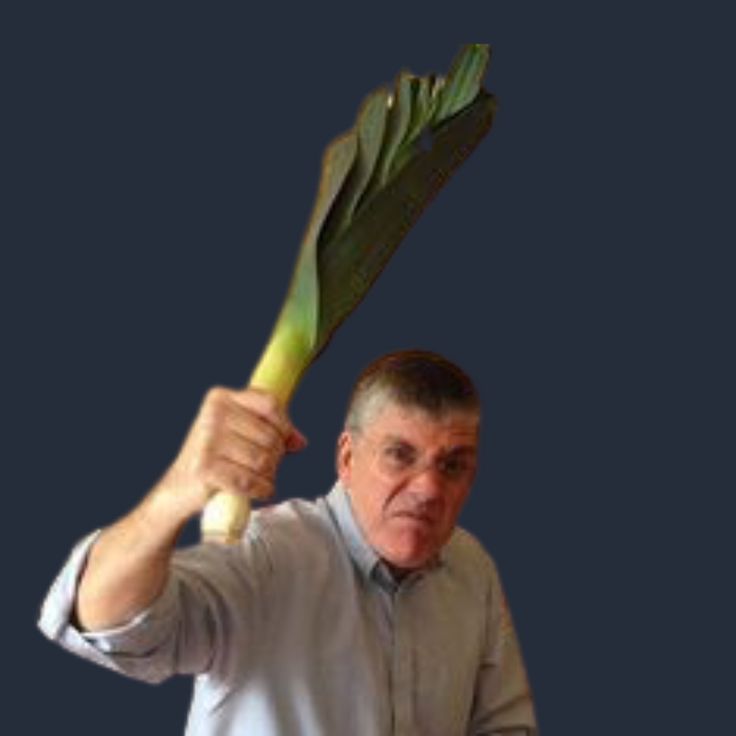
(160, 168)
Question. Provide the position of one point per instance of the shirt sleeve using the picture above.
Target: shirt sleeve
(503, 702)
(202, 610)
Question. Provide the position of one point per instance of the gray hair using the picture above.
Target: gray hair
(415, 379)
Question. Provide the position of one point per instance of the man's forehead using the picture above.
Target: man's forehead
(407, 423)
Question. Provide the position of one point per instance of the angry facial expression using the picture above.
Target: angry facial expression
(408, 474)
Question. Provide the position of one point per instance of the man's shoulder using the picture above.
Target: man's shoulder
(293, 530)
(293, 515)
(465, 552)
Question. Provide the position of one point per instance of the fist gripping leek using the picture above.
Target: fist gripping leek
(375, 182)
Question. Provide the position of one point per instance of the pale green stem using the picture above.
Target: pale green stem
(282, 363)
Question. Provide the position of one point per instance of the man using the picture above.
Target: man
(364, 613)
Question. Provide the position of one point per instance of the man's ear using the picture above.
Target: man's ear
(344, 458)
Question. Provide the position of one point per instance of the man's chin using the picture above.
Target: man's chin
(406, 542)
(411, 555)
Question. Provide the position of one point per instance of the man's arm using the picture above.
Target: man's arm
(235, 444)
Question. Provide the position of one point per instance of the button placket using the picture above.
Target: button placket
(403, 681)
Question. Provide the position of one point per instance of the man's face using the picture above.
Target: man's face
(408, 474)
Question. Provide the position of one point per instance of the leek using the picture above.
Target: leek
(376, 179)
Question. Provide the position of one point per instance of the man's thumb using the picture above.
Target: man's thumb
(295, 441)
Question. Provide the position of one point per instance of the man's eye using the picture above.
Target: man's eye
(454, 467)
(399, 455)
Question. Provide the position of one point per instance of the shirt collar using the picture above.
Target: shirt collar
(362, 553)
(364, 556)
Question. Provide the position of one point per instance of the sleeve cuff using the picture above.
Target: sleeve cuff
(136, 637)
(58, 606)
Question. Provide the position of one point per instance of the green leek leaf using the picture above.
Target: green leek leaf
(375, 182)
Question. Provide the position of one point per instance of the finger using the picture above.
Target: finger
(245, 453)
(266, 405)
(242, 407)
(225, 475)
(295, 441)
(250, 427)
(268, 408)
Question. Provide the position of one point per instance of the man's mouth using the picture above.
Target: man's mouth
(416, 516)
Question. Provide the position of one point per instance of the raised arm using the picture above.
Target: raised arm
(234, 444)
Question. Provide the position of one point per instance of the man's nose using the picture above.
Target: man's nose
(428, 482)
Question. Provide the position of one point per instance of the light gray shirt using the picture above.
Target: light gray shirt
(302, 631)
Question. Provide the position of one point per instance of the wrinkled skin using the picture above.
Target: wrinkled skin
(408, 517)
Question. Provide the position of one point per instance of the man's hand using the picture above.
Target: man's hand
(235, 444)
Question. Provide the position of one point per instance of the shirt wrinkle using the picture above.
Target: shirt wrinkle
(303, 630)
